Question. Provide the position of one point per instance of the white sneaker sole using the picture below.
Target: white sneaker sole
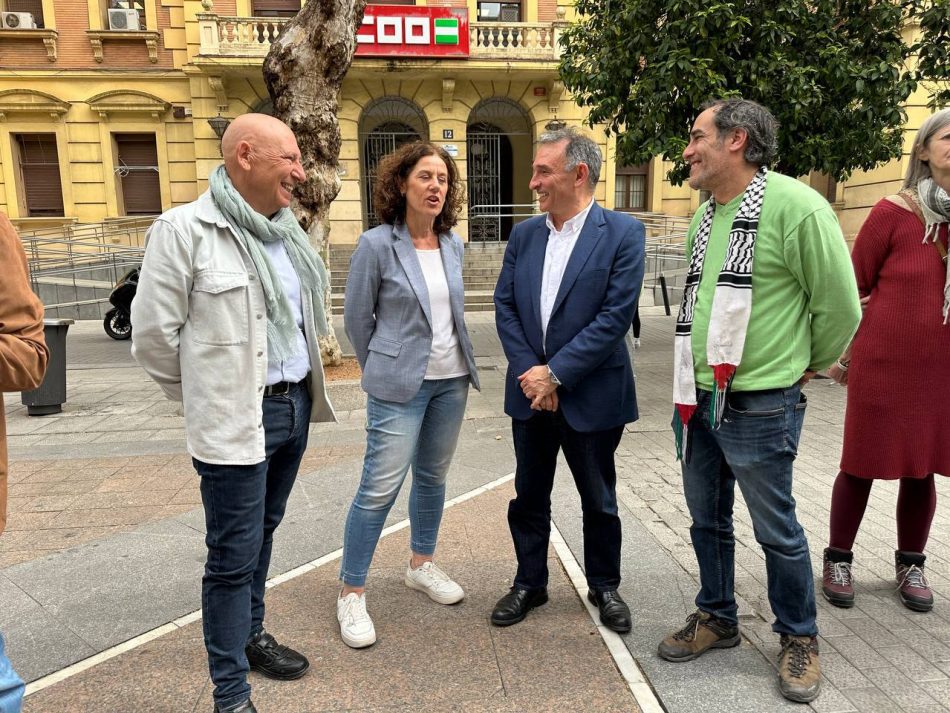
(435, 596)
(359, 643)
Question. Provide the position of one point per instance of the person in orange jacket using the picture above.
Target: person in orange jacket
(23, 359)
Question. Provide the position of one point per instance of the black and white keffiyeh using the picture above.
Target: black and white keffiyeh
(729, 318)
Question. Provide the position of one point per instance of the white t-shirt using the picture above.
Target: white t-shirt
(446, 360)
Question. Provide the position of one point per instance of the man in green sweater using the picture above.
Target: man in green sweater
(770, 299)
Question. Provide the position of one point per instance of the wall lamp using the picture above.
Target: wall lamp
(219, 125)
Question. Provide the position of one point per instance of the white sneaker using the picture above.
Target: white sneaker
(356, 627)
(636, 343)
(433, 581)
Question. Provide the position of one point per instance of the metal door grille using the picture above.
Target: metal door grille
(484, 186)
(377, 144)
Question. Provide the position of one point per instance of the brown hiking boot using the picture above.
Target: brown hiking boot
(702, 632)
(799, 675)
(836, 582)
(912, 586)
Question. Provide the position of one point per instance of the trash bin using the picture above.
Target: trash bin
(50, 395)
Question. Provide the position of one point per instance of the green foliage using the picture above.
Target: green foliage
(836, 73)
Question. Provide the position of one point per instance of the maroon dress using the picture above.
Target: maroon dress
(897, 422)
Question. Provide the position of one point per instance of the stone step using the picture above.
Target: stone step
(475, 301)
(480, 270)
(486, 268)
(486, 285)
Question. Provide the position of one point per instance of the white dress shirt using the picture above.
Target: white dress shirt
(560, 246)
(295, 368)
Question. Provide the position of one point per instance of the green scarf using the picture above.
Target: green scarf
(255, 229)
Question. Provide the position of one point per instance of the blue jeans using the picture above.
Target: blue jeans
(11, 687)
(243, 506)
(423, 433)
(755, 446)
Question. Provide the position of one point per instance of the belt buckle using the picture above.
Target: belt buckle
(278, 389)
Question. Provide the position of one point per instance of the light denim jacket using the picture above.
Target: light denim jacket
(200, 331)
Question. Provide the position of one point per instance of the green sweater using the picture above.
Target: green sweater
(805, 305)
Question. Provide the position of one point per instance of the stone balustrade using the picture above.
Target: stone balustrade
(513, 40)
(252, 36)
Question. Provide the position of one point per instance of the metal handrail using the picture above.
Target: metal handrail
(83, 256)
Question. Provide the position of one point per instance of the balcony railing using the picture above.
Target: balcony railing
(251, 37)
(514, 40)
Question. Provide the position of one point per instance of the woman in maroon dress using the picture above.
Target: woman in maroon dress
(895, 369)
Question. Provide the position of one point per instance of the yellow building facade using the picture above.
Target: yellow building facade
(107, 110)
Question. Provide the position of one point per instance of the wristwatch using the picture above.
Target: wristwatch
(553, 378)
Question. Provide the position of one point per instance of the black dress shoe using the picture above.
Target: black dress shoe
(268, 657)
(614, 612)
(246, 707)
(515, 605)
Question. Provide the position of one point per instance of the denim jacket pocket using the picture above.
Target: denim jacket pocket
(219, 308)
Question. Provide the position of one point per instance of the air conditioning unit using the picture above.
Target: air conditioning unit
(124, 20)
(18, 21)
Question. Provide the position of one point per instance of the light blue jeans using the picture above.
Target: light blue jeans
(423, 433)
(11, 687)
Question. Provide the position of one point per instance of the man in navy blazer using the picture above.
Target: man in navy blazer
(565, 299)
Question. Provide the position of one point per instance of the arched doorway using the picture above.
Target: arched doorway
(499, 160)
(385, 125)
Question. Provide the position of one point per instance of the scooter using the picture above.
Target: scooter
(118, 321)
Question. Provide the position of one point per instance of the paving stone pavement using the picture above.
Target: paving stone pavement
(447, 658)
(105, 537)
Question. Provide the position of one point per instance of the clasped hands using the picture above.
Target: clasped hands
(537, 386)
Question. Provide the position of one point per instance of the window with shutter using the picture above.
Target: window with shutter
(34, 7)
(630, 190)
(499, 11)
(825, 185)
(137, 171)
(128, 5)
(38, 169)
(275, 8)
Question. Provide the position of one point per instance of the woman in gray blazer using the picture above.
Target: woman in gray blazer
(404, 315)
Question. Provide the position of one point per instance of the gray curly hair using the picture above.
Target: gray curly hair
(757, 121)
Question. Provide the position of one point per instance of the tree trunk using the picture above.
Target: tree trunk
(304, 73)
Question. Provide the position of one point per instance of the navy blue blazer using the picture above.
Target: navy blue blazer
(592, 312)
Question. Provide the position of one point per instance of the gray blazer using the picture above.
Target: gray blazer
(386, 311)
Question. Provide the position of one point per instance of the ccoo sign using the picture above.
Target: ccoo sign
(407, 31)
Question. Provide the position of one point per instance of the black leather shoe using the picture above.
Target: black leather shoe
(246, 707)
(614, 612)
(515, 605)
(268, 657)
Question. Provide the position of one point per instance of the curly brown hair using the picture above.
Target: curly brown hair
(394, 169)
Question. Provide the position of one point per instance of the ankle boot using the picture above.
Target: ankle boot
(912, 586)
(837, 583)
